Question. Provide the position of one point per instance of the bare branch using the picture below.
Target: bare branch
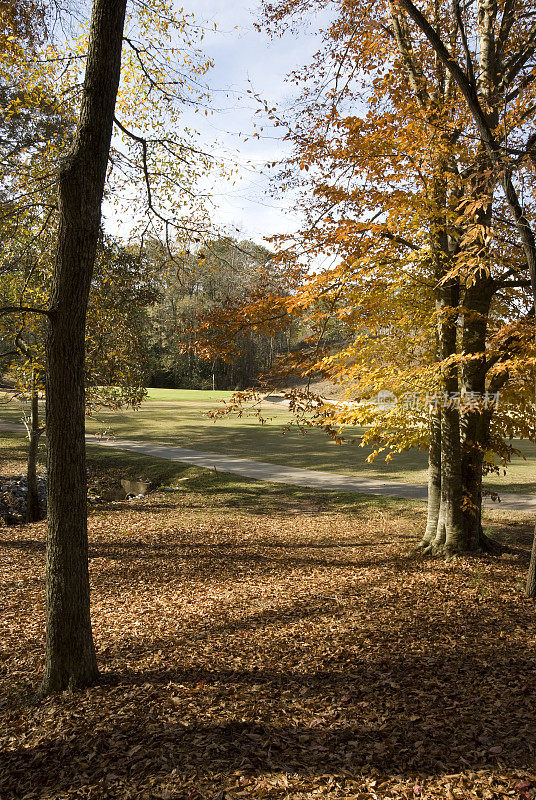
(463, 35)
(404, 48)
(507, 21)
(517, 60)
(23, 310)
(489, 143)
(400, 240)
(143, 142)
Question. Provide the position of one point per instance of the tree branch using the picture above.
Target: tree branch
(404, 48)
(24, 310)
(463, 36)
(400, 240)
(507, 21)
(145, 167)
(489, 143)
(517, 60)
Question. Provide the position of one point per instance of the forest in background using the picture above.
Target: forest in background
(145, 311)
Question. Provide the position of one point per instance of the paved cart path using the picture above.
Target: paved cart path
(295, 476)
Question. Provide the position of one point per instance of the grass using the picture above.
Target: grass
(221, 490)
(224, 491)
(185, 395)
(263, 642)
(178, 418)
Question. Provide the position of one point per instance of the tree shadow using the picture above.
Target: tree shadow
(257, 498)
(394, 717)
(28, 545)
(351, 672)
(232, 558)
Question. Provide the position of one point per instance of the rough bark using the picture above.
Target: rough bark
(70, 652)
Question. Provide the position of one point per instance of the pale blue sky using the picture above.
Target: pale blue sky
(247, 59)
(244, 59)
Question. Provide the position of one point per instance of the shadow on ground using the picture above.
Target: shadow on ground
(276, 655)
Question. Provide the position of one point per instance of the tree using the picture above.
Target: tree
(461, 229)
(163, 164)
(401, 198)
(124, 286)
(70, 652)
(220, 272)
(117, 354)
(23, 24)
(499, 96)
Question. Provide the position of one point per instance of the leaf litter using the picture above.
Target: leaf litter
(278, 656)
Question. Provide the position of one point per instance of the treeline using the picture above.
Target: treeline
(145, 309)
(221, 272)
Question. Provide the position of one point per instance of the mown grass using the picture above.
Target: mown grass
(181, 395)
(201, 487)
(209, 491)
(180, 418)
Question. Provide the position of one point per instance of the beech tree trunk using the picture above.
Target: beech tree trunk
(491, 87)
(475, 420)
(70, 652)
(448, 536)
(434, 478)
(450, 530)
(34, 512)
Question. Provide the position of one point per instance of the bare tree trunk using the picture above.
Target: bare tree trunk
(449, 537)
(434, 478)
(449, 532)
(70, 652)
(475, 419)
(34, 512)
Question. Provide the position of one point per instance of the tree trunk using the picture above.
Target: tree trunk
(530, 588)
(450, 533)
(477, 107)
(34, 512)
(449, 536)
(434, 478)
(70, 652)
(475, 419)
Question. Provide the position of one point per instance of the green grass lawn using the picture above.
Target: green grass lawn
(204, 489)
(179, 418)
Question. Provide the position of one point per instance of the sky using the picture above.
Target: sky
(247, 62)
(247, 59)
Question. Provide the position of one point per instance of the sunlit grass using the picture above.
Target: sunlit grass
(180, 418)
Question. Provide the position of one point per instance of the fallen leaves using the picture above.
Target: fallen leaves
(273, 657)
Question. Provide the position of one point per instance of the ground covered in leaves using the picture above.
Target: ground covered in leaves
(296, 653)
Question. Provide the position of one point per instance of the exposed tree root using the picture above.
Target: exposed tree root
(439, 547)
